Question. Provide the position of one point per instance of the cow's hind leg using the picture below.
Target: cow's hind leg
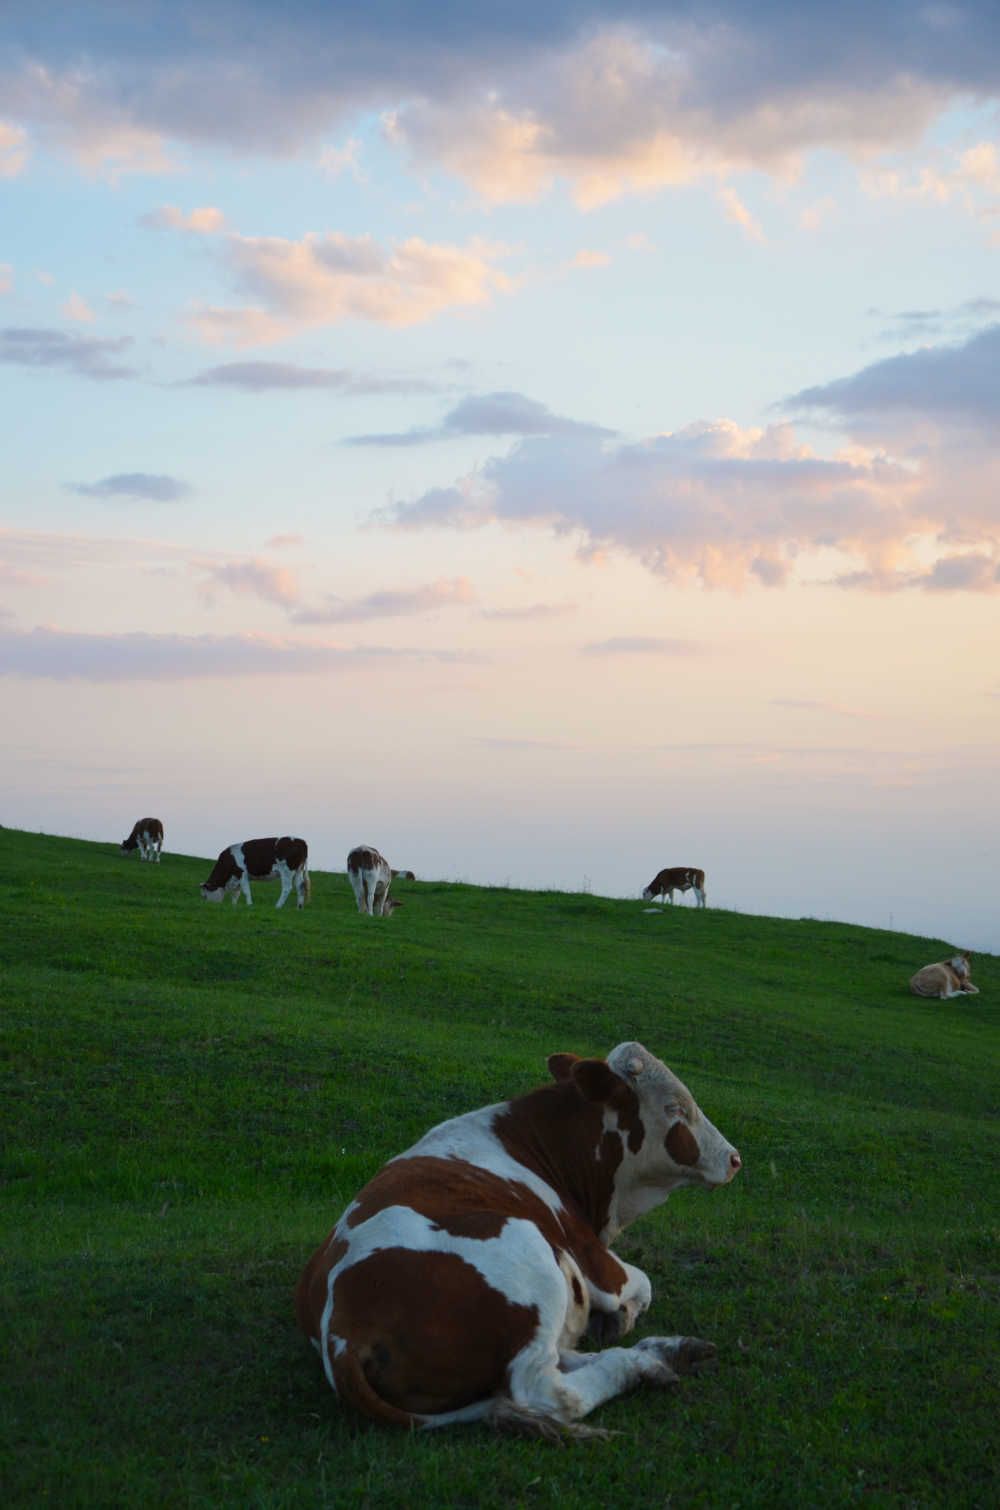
(552, 1393)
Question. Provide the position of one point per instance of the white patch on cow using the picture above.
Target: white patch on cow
(471, 1137)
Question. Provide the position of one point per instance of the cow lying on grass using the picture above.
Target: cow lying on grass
(284, 860)
(949, 978)
(458, 1283)
(147, 838)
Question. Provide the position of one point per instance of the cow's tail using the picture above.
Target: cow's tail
(352, 1386)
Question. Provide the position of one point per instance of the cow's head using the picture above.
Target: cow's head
(213, 893)
(667, 1141)
(960, 964)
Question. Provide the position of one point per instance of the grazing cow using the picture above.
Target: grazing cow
(678, 878)
(284, 860)
(949, 978)
(458, 1283)
(371, 876)
(147, 838)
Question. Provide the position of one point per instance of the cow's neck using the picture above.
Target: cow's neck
(575, 1148)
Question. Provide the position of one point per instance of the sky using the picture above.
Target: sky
(548, 443)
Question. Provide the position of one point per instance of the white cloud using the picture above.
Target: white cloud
(13, 150)
(737, 212)
(589, 259)
(77, 308)
(455, 592)
(727, 506)
(62, 655)
(206, 221)
(329, 277)
(251, 579)
(346, 159)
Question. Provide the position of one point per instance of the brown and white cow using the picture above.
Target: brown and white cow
(371, 875)
(458, 1283)
(147, 838)
(949, 978)
(284, 860)
(677, 878)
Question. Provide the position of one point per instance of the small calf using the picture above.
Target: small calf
(371, 875)
(284, 860)
(147, 838)
(949, 978)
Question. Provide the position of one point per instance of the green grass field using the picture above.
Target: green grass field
(192, 1093)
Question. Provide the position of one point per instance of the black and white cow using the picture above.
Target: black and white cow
(283, 860)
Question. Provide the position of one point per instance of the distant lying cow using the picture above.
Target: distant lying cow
(949, 978)
(371, 876)
(283, 860)
(458, 1283)
(679, 878)
(147, 838)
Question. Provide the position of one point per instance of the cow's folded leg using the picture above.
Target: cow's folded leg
(582, 1381)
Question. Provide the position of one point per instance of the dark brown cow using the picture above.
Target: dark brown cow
(147, 838)
(677, 878)
(371, 875)
(260, 860)
(458, 1283)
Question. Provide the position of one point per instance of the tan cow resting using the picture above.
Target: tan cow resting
(147, 838)
(285, 860)
(371, 875)
(458, 1283)
(949, 978)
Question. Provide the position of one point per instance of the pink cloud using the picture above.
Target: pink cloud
(252, 579)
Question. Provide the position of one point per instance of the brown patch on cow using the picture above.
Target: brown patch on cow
(224, 869)
(466, 1201)
(577, 1291)
(682, 1145)
(429, 1332)
(311, 1290)
(364, 858)
(259, 855)
(457, 1197)
(560, 1136)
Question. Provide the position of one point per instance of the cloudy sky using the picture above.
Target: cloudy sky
(549, 442)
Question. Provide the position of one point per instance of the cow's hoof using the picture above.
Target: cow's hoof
(682, 1355)
(695, 1356)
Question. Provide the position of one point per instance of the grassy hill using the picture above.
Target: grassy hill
(192, 1093)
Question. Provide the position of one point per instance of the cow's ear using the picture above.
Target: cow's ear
(595, 1079)
(561, 1065)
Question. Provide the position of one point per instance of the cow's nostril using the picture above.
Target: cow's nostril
(735, 1160)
